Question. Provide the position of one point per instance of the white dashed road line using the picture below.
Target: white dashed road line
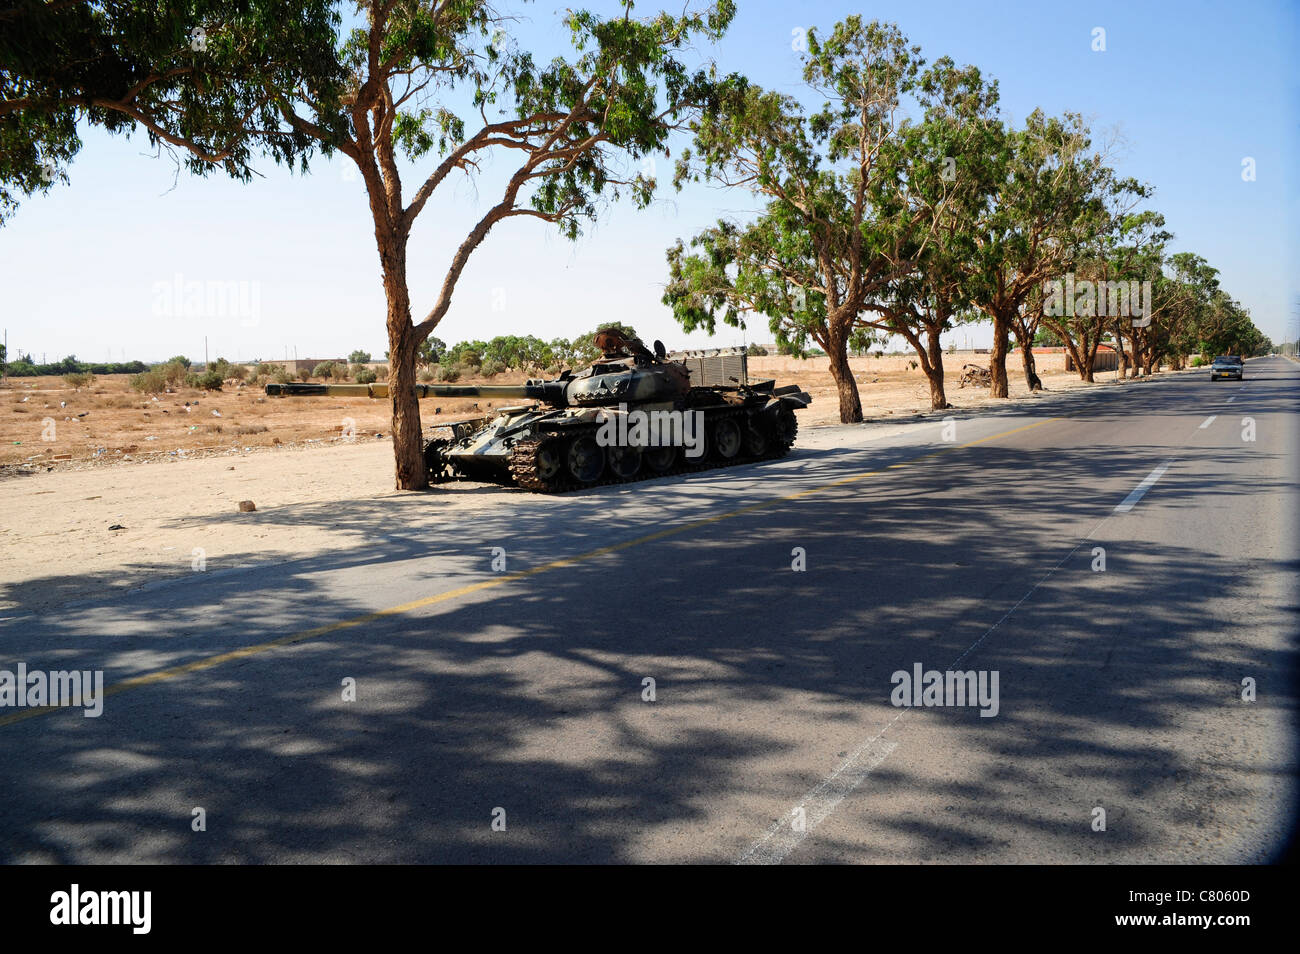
(1140, 490)
(1208, 421)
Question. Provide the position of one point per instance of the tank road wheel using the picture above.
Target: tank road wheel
(785, 427)
(756, 440)
(586, 460)
(624, 461)
(725, 438)
(538, 464)
(437, 463)
(549, 461)
(660, 460)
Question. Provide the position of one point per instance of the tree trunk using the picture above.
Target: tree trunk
(1148, 358)
(934, 371)
(850, 402)
(1123, 352)
(1089, 351)
(1032, 379)
(998, 360)
(403, 349)
(408, 438)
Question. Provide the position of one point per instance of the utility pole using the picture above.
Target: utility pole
(205, 352)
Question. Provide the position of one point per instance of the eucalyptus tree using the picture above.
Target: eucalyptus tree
(947, 164)
(1107, 291)
(820, 250)
(201, 75)
(1048, 201)
(431, 84)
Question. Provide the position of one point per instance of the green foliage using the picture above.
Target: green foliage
(79, 379)
(449, 373)
(161, 377)
(365, 376)
(359, 357)
(25, 368)
(208, 380)
(327, 369)
(430, 351)
(838, 230)
(756, 351)
(153, 381)
(179, 359)
(276, 372)
(467, 353)
(491, 367)
(140, 65)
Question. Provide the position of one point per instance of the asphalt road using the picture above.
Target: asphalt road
(520, 695)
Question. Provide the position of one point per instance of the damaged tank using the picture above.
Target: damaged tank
(634, 414)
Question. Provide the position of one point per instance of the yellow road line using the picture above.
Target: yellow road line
(209, 662)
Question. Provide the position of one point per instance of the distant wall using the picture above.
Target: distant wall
(774, 365)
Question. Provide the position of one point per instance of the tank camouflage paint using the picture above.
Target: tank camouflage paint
(633, 414)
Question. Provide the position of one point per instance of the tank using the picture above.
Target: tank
(634, 414)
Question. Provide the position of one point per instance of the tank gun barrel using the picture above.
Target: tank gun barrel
(548, 392)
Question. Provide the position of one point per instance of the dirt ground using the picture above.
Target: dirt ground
(45, 425)
(103, 507)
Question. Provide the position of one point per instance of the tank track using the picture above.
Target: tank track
(524, 470)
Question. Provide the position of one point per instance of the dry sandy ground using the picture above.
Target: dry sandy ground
(314, 490)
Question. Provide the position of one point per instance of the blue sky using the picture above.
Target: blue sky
(1191, 89)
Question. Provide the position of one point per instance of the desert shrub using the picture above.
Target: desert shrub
(175, 372)
(208, 380)
(427, 377)
(359, 356)
(229, 371)
(153, 381)
(78, 379)
(304, 374)
(491, 368)
(382, 371)
(323, 370)
(366, 376)
(449, 373)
